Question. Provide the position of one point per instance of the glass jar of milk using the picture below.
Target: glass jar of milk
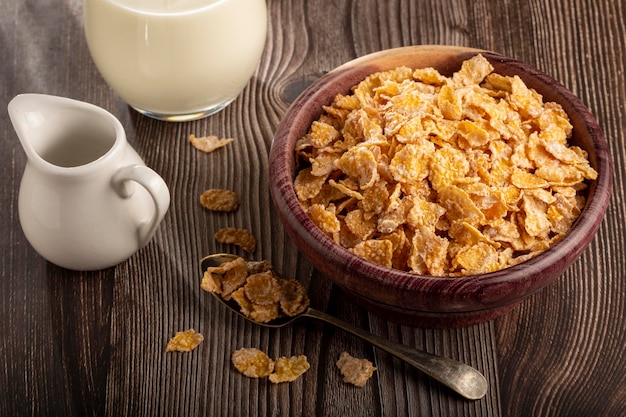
(176, 60)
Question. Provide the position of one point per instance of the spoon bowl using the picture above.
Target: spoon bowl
(460, 377)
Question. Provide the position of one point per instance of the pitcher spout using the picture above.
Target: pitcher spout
(58, 132)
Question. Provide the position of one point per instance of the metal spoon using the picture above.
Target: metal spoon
(458, 376)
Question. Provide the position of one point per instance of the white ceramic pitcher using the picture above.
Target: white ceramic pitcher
(87, 201)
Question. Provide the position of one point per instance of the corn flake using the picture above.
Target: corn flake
(360, 226)
(447, 167)
(293, 297)
(184, 341)
(323, 134)
(208, 144)
(240, 237)
(252, 362)
(288, 369)
(225, 278)
(264, 313)
(377, 251)
(262, 288)
(411, 163)
(355, 371)
(478, 258)
(325, 218)
(359, 163)
(307, 185)
(234, 278)
(219, 200)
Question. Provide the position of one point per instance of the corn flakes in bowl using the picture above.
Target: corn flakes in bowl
(439, 186)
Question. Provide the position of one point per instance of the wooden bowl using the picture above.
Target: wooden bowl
(428, 301)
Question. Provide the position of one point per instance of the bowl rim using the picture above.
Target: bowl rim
(527, 276)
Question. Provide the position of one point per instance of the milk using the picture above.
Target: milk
(176, 59)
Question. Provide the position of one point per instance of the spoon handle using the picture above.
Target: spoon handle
(458, 376)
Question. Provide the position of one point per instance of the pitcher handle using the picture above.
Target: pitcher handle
(156, 187)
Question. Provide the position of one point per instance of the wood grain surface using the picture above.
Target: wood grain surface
(93, 344)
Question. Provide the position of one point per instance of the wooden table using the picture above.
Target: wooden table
(93, 344)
